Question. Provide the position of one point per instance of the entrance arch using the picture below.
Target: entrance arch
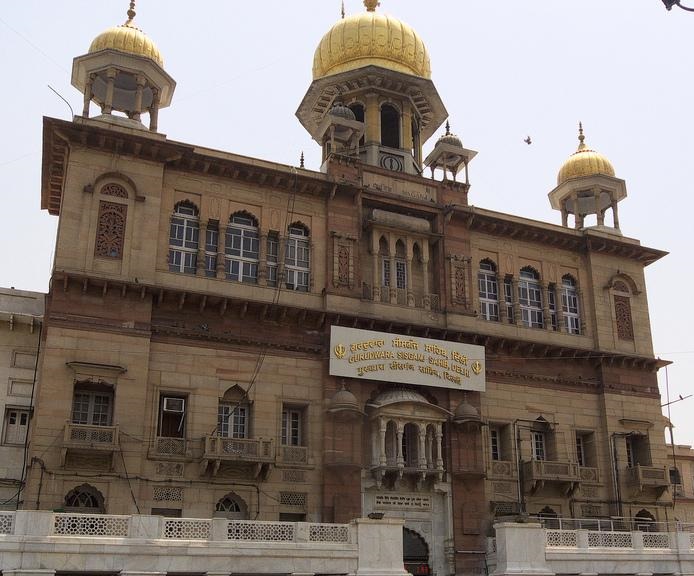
(415, 553)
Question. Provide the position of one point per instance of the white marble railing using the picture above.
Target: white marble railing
(158, 545)
(531, 548)
(112, 526)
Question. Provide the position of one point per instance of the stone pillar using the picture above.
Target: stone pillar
(221, 244)
(281, 274)
(581, 313)
(262, 259)
(393, 291)
(88, 96)
(516, 302)
(615, 214)
(400, 460)
(520, 549)
(559, 303)
(421, 449)
(564, 218)
(406, 120)
(408, 274)
(138, 97)
(501, 298)
(382, 459)
(110, 85)
(154, 111)
(439, 446)
(372, 119)
(200, 258)
(546, 316)
(380, 547)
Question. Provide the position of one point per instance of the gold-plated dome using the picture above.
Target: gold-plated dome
(370, 38)
(584, 162)
(127, 38)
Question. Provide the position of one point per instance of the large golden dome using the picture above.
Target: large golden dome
(127, 38)
(584, 162)
(371, 39)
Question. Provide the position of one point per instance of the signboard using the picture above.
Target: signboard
(406, 359)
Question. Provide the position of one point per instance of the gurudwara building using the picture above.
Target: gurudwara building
(234, 346)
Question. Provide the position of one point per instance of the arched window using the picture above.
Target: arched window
(241, 248)
(183, 238)
(233, 414)
(530, 298)
(86, 499)
(358, 110)
(489, 291)
(231, 507)
(297, 259)
(622, 309)
(390, 126)
(569, 305)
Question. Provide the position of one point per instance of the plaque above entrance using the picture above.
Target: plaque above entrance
(406, 359)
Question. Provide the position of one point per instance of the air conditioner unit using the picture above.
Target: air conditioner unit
(176, 405)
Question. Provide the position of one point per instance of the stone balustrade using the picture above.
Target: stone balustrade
(126, 543)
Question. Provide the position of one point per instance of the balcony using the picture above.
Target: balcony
(293, 455)
(537, 472)
(219, 450)
(395, 471)
(88, 439)
(401, 297)
(644, 478)
(501, 470)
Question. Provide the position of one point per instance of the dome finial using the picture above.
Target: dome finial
(342, 9)
(371, 5)
(448, 128)
(131, 14)
(581, 137)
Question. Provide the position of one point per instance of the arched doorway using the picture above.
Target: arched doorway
(415, 553)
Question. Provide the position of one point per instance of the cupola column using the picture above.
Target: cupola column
(615, 215)
(138, 97)
(154, 111)
(422, 455)
(382, 459)
(88, 95)
(110, 85)
(406, 119)
(400, 460)
(439, 446)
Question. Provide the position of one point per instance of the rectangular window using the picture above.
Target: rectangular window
(385, 276)
(539, 446)
(495, 443)
(400, 274)
(172, 416)
(586, 454)
(297, 260)
(489, 295)
(91, 407)
(232, 421)
(292, 427)
(638, 450)
(16, 426)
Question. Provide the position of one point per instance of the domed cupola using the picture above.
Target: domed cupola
(123, 72)
(377, 66)
(449, 155)
(344, 404)
(586, 185)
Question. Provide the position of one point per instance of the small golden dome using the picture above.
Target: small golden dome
(584, 162)
(127, 38)
(370, 38)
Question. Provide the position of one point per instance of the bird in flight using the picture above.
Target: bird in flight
(528, 140)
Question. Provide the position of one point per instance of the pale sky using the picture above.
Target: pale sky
(505, 69)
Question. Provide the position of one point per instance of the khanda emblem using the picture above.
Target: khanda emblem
(476, 367)
(340, 351)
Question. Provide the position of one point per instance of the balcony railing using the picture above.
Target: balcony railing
(401, 297)
(239, 449)
(293, 454)
(164, 446)
(501, 469)
(643, 477)
(550, 470)
(87, 436)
